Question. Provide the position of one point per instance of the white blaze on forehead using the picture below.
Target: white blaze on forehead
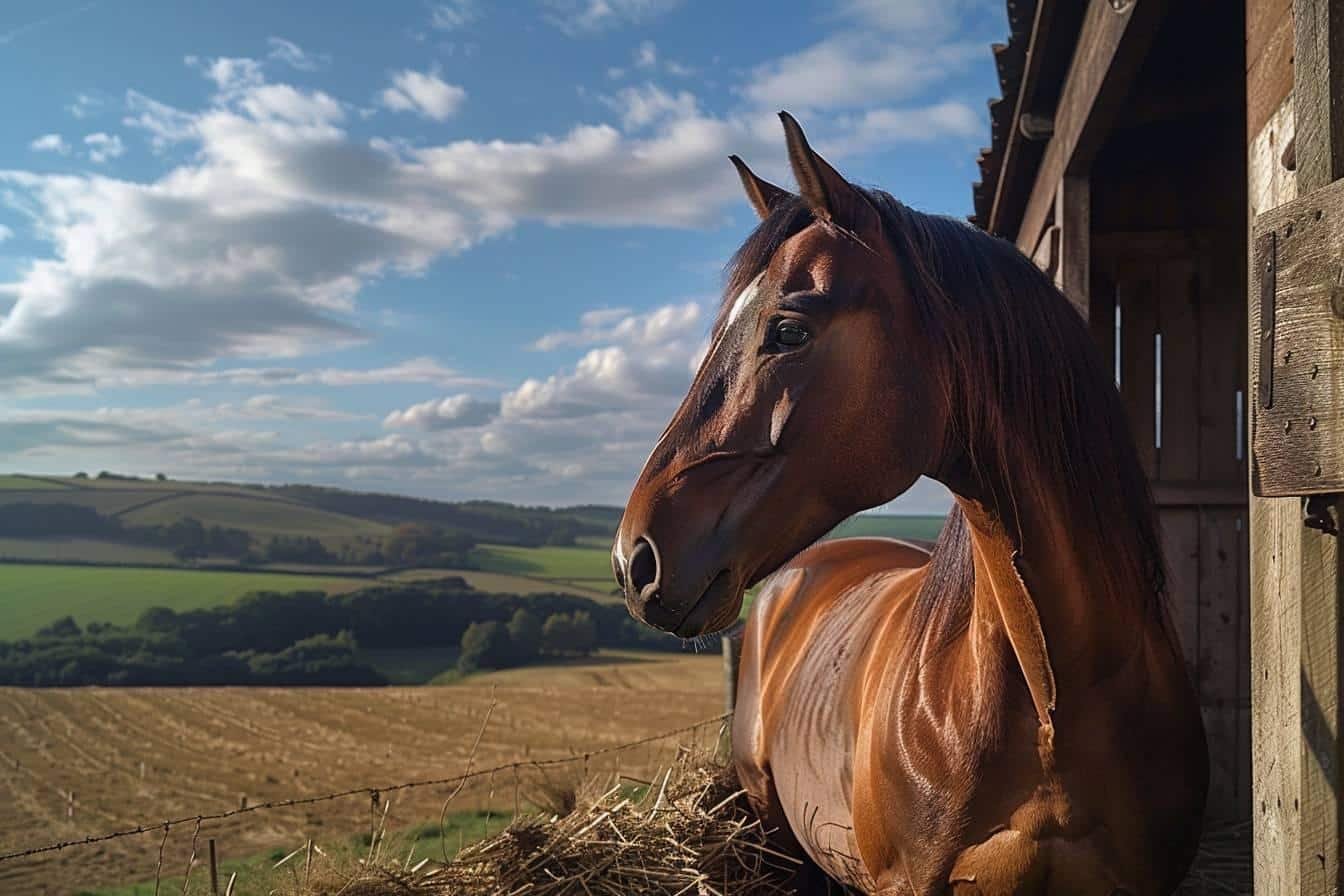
(746, 297)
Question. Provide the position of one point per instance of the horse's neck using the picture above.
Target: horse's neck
(1048, 598)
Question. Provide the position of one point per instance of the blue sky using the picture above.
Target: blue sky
(460, 249)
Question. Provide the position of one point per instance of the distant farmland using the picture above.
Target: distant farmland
(34, 595)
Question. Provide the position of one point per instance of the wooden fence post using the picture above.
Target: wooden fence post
(732, 653)
(214, 870)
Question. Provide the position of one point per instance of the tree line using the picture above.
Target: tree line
(308, 638)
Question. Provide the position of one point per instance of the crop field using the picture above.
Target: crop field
(33, 595)
(579, 563)
(888, 526)
(60, 548)
(204, 749)
(28, 482)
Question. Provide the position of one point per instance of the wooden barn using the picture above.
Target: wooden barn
(1176, 167)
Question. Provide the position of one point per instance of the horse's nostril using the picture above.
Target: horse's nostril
(643, 567)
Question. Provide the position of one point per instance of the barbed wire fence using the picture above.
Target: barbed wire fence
(376, 795)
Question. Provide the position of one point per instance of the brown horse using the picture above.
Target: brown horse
(1008, 714)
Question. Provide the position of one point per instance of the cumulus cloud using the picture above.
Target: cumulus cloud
(642, 106)
(50, 143)
(667, 325)
(424, 93)
(102, 147)
(447, 413)
(84, 105)
(579, 17)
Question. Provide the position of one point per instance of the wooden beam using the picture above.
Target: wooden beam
(1040, 25)
(1318, 92)
(1073, 214)
(1111, 44)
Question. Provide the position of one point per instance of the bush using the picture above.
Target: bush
(525, 635)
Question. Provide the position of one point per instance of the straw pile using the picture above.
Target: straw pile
(690, 832)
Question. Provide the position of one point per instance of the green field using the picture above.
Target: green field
(63, 549)
(890, 526)
(33, 595)
(28, 482)
(504, 583)
(579, 563)
(261, 516)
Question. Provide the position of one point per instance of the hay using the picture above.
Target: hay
(691, 832)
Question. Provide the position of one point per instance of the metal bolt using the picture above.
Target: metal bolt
(1287, 426)
(1311, 423)
(1315, 370)
(1318, 469)
(1288, 231)
(1286, 356)
(1318, 214)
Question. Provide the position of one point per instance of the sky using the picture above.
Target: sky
(452, 249)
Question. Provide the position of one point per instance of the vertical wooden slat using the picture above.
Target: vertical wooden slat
(1179, 322)
(1275, 527)
(1180, 546)
(1221, 365)
(1219, 646)
(1318, 100)
(1138, 324)
(1073, 213)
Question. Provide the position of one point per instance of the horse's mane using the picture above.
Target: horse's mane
(1037, 414)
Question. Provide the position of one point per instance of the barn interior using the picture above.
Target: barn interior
(1145, 230)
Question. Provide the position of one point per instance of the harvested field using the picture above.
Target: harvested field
(204, 748)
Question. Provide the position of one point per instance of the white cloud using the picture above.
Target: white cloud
(50, 143)
(295, 56)
(577, 17)
(452, 412)
(454, 14)
(424, 93)
(415, 371)
(85, 104)
(649, 104)
(662, 326)
(857, 68)
(102, 147)
(5, 233)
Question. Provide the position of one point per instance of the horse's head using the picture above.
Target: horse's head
(812, 403)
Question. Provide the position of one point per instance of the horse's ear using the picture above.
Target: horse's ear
(827, 193)
(764, 195)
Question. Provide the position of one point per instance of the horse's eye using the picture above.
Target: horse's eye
(790, 333)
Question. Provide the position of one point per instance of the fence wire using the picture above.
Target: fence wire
(374, 793)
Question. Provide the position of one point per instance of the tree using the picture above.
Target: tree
(569, 633)
(525, 633)
(65, 627)
(485, 645)
(160, 477)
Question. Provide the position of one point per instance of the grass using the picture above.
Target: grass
(258, 875)
(504, 583)
(889, 526)
(259, 515)
(411, 665)
(570, 563)
(34, 595)
(29, 483)
(82, 550)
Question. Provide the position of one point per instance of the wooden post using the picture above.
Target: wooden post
(1295, 576)
(214, 870)
(70, 804)
(732, 652)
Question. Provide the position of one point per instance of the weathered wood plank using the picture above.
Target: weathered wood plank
(1220, 637)
(1269, 76)
(1318, 99)
(1073, 213)
(1318, 91)
(1298, 441)
(1180, 546)
(1222, 363)
(1276, 619)
(1031, 67)
(1111, 45)
(1138, 385)
(1182, 347)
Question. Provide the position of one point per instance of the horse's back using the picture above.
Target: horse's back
(801, 672)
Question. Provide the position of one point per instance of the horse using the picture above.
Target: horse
(1006, 713)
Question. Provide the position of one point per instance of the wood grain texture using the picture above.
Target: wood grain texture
(1269, 74)
(1073, 213)
(1276, 619)
(1298, 441)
